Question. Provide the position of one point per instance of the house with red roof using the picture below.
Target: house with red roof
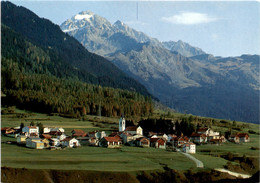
(110, 142)
(142, 142)
(239, 138)
(198, 138)
(243, 137)
(78, 133)
(70, 142)
(158, 143)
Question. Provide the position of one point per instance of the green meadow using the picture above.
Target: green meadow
(126, 159)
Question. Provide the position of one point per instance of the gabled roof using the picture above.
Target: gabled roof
(78, 132)
(195, 134)
(156, 139)
(142, 138)
(131, 128)
(112, 139)
(242, 134)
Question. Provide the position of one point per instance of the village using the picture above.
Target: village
(55, 138)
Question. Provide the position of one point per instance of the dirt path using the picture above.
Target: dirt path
(199, 164)
(244, 176)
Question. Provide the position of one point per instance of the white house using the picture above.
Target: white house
(30, 131)
(46, 130)
(70, 142)
(21, 139)
(189, 148)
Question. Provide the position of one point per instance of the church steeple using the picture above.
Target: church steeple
(122, 124)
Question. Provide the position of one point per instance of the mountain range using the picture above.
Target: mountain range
(67, 57)
(182, 76)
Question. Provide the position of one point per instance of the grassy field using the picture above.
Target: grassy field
(92, 158)
(85, 157)
(103, 159)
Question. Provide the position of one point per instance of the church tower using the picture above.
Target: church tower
(122, 124)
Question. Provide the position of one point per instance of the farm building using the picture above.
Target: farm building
(158, 143)
(31, 131)
(35, 143)
(198, 138)
(78, 133)
(110, 142)
(142, 142)
(21, 139)
(189, 148)
(70, 142)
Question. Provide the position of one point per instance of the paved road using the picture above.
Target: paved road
(199, 164)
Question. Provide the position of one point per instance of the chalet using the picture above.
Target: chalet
(70, 142)
(31, 131)
(21, 139)
(189, 148)
(83, 140)
(234, 138)
(209, 133)
(239, 137)
(243, 137)
(142, 142)
(34, 142)
(198, 138)
(158, 143)
(78, 133)
(110, 142)
(178, 141)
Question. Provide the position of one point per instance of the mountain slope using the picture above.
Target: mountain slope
(65, 48)
(183, 48)
(201, 84)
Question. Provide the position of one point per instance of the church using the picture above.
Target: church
(133, 130)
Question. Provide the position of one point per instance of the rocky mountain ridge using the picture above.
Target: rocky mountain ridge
(200, 84)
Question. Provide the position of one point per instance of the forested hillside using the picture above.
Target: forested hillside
(37, 78)
(67, 56)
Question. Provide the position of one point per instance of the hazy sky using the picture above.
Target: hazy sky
(220, 28)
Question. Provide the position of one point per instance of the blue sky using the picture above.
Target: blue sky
(219, 28)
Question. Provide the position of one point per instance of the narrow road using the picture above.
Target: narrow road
(199, 164)
(233, 173)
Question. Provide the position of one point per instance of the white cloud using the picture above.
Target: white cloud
(189, 18)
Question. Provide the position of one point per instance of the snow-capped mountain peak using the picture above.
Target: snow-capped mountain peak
(86, 15)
